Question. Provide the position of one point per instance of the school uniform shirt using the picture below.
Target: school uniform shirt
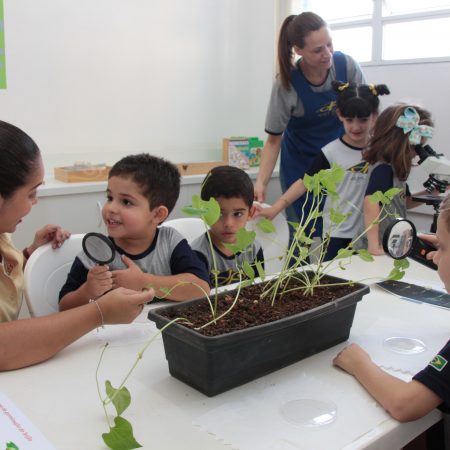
(383, 178)
(11, 279)
(168, 254)
(227, 266)
(351, 189)
(305, 116)
(436, 376)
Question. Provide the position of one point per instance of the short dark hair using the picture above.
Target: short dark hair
(19, 156)
(158, 178)
(228, 182)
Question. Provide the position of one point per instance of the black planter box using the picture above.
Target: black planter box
(216, 364)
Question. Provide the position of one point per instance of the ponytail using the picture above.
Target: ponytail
(293, 31)
(285, 53)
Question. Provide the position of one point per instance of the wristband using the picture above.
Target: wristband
(99, 310)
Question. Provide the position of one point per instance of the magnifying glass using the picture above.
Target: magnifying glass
(98, 248)
(400, 240)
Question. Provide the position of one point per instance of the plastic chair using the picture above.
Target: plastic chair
(190, 227)
(46, 272)
(274, 244)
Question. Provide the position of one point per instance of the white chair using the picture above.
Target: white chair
(274, 244)
(190, 227)
(46, 272)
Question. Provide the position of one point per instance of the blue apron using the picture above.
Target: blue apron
(305, 136)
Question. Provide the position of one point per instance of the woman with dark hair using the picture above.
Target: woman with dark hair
(301, 117)
(29, 341)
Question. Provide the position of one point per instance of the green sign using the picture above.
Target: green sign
(438, 362)
(2, 49)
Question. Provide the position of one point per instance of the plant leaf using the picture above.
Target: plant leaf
(365, 255)
(260, 269)
(243, 239)
(120, 398)
(248, 270)
(266, 225)
(120, 436)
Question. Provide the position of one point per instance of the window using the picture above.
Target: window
(383, 31)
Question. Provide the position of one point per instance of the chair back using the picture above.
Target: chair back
(46, 272)
(190, 227)
(275, 244)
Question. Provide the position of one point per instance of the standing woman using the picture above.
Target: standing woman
(301, 117)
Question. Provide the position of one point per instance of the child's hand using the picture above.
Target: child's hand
(352, 356)
(99, 281)
(50, 233)
(375, 250)
(430, 239)
(131, 277)
(268, 213)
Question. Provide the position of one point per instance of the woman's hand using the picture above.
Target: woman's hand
(49, 233)
(260, 192)
(123, 305)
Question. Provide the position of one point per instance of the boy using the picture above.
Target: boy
(233, 190)
(142, 190)
(429, 388)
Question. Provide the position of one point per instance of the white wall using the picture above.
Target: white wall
(97, 79)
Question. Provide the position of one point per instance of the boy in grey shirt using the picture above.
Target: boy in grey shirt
(233, 190)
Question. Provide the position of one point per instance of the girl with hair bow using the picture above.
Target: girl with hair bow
(390, 152)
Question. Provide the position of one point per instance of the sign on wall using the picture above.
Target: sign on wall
(2, 49)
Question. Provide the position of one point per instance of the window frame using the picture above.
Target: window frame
(377, 22)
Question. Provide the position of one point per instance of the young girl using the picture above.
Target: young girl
(357, 108)
(390, 152)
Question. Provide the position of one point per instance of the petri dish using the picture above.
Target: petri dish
(404, 345)
(308, 413)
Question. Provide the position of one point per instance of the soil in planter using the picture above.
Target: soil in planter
(250, 310)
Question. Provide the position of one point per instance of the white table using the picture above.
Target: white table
(60, 395)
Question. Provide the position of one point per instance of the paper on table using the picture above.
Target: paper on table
(133, 333)
(254, 422)
(15, 428)
(373, 341)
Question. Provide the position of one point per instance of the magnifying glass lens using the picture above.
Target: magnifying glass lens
(98, 248)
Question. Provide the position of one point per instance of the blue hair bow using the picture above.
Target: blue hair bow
(409, 123)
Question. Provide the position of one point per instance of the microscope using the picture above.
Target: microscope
(439, 169)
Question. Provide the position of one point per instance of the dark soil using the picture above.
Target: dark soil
(250, 310)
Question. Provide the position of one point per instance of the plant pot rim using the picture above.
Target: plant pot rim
(261, 329)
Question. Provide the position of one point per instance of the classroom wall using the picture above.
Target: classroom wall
(97, 79)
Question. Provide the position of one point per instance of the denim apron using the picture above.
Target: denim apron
(305, 136)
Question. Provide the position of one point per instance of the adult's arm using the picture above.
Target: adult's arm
(30, 341)
(269, 158)
(404, 401)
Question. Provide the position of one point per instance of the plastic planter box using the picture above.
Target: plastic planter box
(216, 364)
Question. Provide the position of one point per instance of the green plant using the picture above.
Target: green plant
(318, 186)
